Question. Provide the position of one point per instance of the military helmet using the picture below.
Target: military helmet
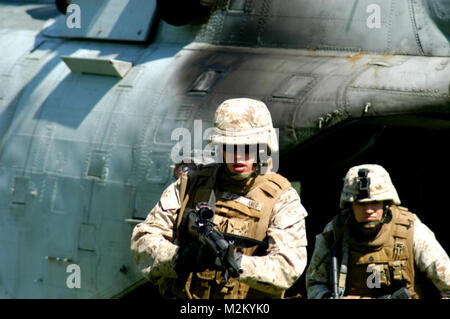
(366, 183)
(244, 121)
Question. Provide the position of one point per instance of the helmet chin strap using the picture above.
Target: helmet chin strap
(240, 177)
(373, 223)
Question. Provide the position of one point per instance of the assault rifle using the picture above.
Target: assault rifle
(200, 225)
(334, 275)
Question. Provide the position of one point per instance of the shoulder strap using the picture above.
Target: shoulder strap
(403, 230)
(184, 199)
(340, 224)
(341, 235)
(277, 184)
(274, 186)
(344, 269)
(403, 234)
(187, 184)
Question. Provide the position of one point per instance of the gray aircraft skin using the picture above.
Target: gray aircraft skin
(87, 111)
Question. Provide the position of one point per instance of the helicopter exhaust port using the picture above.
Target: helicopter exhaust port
(181, 12)
(62, 5)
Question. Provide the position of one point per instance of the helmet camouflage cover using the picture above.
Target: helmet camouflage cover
(366, 183)
(244, 121)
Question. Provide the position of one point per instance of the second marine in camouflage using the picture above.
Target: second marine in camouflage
(378, 246)
(251, 201)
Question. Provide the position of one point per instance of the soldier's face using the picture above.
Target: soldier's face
(368, 212)
(240, 159)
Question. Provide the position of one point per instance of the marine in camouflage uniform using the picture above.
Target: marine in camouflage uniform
(379, 245)
(261, 205)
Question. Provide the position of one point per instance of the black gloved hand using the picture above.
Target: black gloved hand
(193, 257)
(327, 295)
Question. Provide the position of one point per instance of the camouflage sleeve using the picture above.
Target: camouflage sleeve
(431, 258)
(317, 274)
(286, 258)
(152, 240)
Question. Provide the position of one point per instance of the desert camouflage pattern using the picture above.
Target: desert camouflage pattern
(153, 247)
(429, 258)
(244, 121)
(381, 187)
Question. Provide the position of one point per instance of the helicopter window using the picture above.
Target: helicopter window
(237, 6)
(157, 171)
(97, 163)
(440, 12)
(20, 190)
(204, 82)
(294, 86)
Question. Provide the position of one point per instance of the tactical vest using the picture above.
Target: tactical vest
(387, 263)
(245, 215)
